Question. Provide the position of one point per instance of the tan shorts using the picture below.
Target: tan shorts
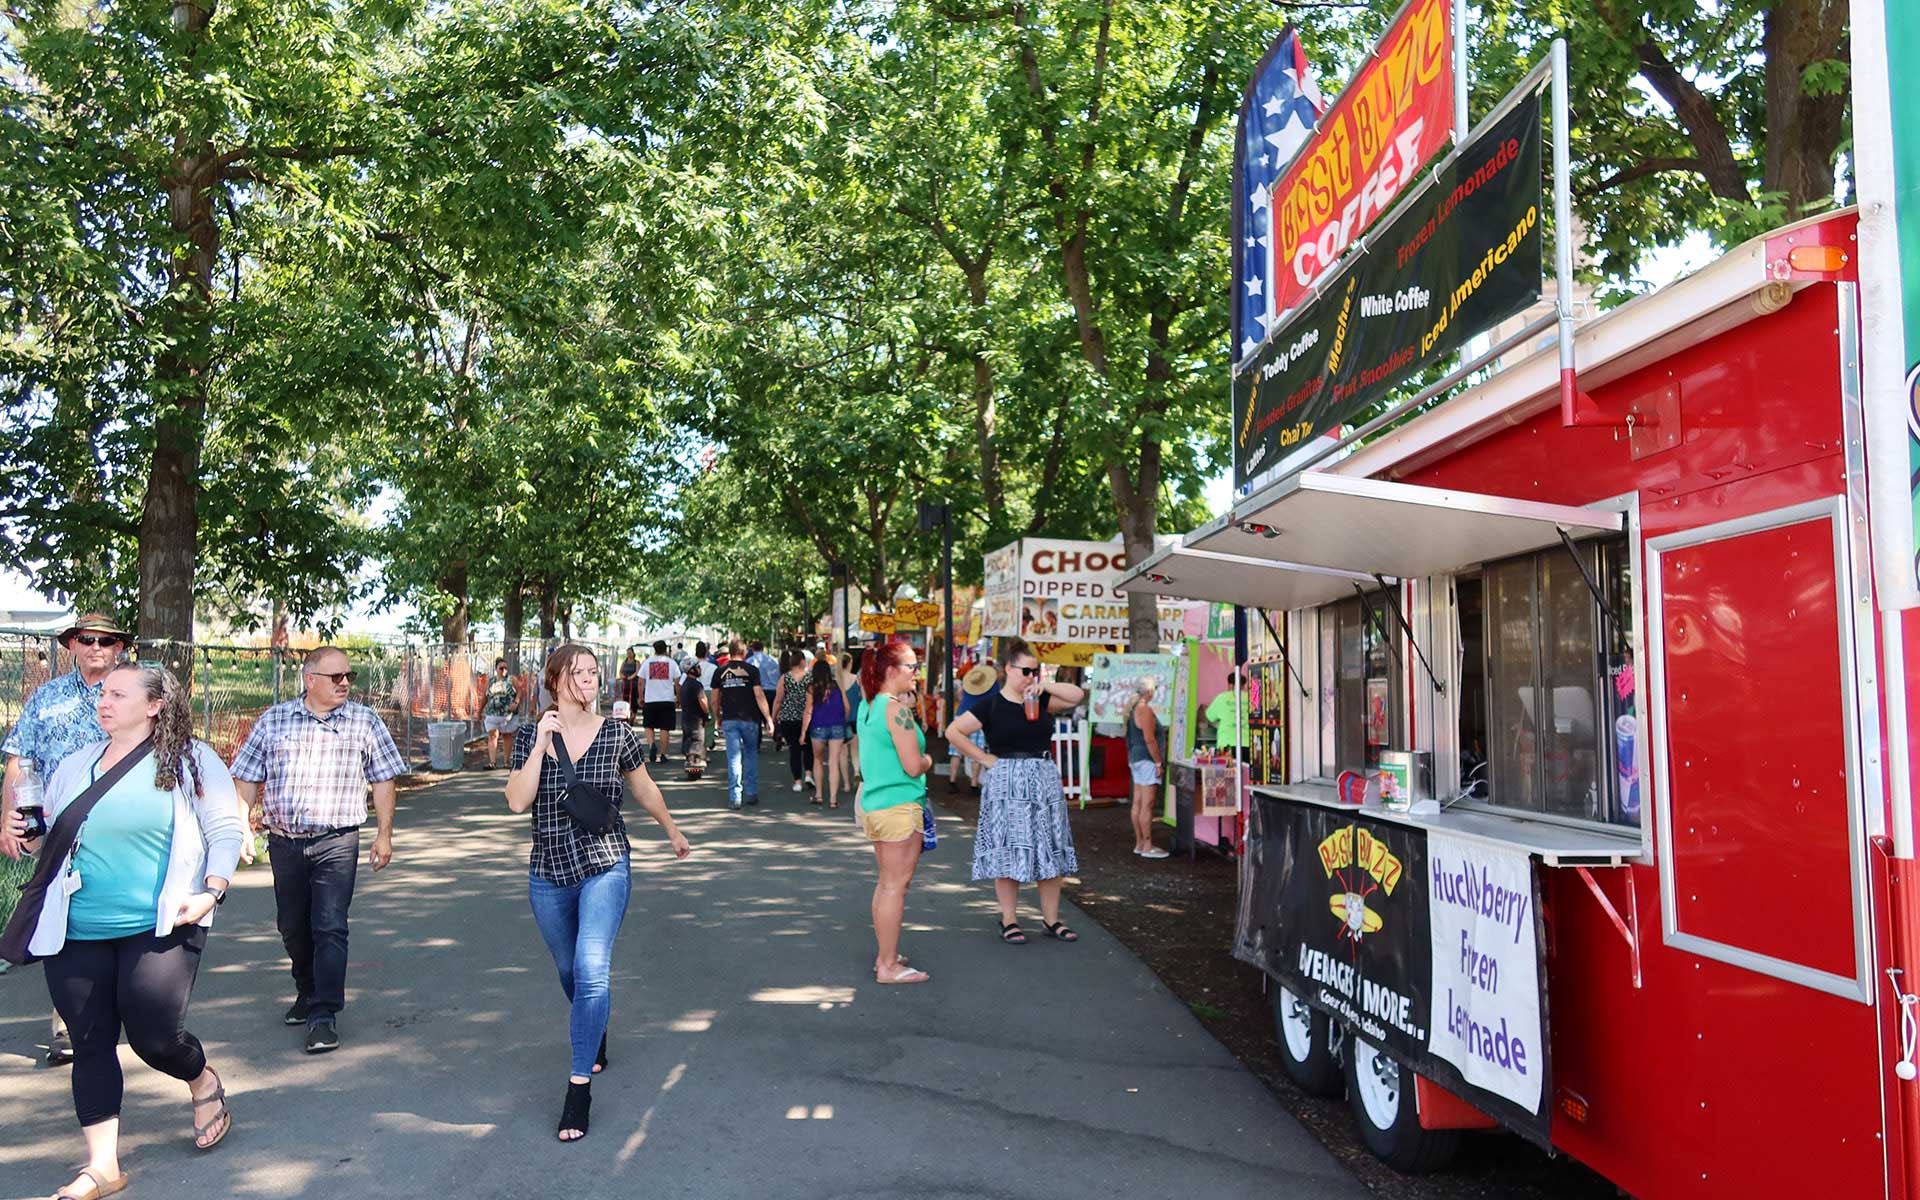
(895, 824)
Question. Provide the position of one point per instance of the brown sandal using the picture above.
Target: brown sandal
(225, 1114)
(101, 1187)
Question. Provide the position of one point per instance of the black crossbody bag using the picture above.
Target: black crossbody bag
(591, 807)
(53, 856)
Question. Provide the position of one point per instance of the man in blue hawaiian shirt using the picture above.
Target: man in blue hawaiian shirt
(61, 716)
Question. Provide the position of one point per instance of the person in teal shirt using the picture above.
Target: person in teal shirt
(895, 764)
(1228, 714)
(122, 858)
(122, 936)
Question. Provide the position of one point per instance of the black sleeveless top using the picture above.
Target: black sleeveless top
(1008, 730)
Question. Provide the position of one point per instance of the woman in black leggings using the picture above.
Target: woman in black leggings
(789, 708)
(154, 854)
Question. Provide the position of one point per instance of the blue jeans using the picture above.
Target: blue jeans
(580, 924)
(743, 759)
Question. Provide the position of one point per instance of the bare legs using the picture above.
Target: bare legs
(897, 862)
(1143, 798)
(829, 771)
(103, 1154)
(493, 749)
(1007, 892)
(103, 1137)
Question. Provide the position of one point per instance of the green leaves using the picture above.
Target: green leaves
(565, 289)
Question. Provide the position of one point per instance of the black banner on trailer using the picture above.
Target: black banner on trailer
(1464, 255)
(1336, 906)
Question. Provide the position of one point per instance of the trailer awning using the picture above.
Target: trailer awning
(1187, 574)
(1396, 529)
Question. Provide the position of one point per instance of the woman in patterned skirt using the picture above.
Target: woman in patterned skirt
(1022, 836)
(578, 880)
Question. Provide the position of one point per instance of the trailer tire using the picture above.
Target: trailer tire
(1380, 1092)
(1305, 1035)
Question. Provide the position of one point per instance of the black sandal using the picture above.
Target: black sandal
(600, 1059)
(1059, 930)
(573, 1113)
(1012, 934)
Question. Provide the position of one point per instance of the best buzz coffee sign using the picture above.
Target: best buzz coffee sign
(1463, 255)
(1428, 946)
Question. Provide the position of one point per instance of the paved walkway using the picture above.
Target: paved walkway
(752, 1053)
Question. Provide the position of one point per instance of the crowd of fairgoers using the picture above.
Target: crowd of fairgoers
(134, 825)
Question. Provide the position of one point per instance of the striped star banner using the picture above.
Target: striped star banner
(1277, 116)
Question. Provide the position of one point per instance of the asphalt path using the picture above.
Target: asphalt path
(752, 1052)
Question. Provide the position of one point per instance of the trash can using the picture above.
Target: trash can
(446, 744)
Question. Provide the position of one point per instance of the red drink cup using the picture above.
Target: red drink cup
(1033, 704)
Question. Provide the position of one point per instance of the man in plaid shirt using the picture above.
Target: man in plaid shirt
(303, 774)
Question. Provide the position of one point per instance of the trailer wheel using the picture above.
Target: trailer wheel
(1381, 1093)
(1307, 1050)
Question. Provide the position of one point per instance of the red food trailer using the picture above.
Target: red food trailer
(1644, 909)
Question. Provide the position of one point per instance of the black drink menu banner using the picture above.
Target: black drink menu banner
(1338, 906)
(1464, 256)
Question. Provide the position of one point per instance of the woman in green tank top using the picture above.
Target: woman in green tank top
(894, 762)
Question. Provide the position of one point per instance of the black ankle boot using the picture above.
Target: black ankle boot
(573, 1113)
(600, 1059)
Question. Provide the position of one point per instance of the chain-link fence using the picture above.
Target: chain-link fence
(408, 684)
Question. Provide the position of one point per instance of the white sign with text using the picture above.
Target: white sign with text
(1486, 966)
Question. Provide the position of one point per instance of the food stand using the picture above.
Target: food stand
(1645, 909)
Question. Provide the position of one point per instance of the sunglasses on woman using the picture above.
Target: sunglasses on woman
(1025, 670)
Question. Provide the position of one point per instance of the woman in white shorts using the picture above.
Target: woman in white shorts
(500, 715)
(1144, 761)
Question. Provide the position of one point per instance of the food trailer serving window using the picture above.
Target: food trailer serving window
(1361, 691)
(1548, 684)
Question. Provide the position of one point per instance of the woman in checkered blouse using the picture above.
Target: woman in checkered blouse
(578, 881)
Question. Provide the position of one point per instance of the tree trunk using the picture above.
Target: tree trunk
(985, 411)
(513, 622)
(1139, 510)
(1803, 131)
(566, 622)
(513, 612)
(281, 636)
(169, 518)
(1698, 114)
(549, 608)
(453, 582)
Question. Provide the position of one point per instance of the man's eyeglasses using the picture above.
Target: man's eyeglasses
(107, 640)
(335, 677)
(1025, 670)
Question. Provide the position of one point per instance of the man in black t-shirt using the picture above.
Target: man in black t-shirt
(743, 714)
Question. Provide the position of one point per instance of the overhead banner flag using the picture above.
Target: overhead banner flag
(1462, 256)
(1392, 119)
(1886, 138)
(1277, 115)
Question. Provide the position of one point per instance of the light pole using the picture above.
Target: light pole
(846, 608)
(940, 516)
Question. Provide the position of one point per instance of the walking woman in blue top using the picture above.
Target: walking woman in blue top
(124, 918)
(829, 727)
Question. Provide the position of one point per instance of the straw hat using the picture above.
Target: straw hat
(94, 622)
(979, 681)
